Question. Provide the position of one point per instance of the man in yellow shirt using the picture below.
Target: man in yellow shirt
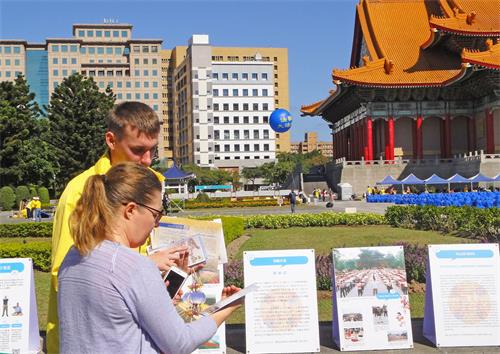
(131, 136)
(36, 207)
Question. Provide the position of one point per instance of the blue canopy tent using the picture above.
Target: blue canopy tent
(456, 178)
(175, 173)
(435, 179)
(481, 178)
(389, 180)
(412, 179)
(177, 178)
(497, 178)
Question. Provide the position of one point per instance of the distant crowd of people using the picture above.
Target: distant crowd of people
(408, 190)
(33, 208)
(318, 195)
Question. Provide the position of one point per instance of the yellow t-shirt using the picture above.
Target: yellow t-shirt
(62, 240)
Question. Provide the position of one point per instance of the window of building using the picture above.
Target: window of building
(216, 120)
(234, 76)
(264, 92)
(155, 96)
(55, 84)
(129, 96)
(81, 33)
(83, 50)
(246, 147)
(119, 96)
(216, 149)
(73, 48)
(215, 76)
(109, 73)
(146, 96)
(137, 72)
(154, 72)
(246, 134)
(98, 33)
(256, 148)
(245, 106)
(116, 34)
(236, 120)
(137, 84)
(245, 92)
(54, 60)
(101, 84)
(256, 134)
(91, 50)
(264, 76)
(154, 49)
(64, 48)
(100, 50)
(146, 72)
(236, 107)
(245, 120)
(255, 92)
(255, 106)
(109, 50)
(107, 34)
(236, 134)
(65, 72)
(100, 73)
(265, 107)
(237, 148)
(145, 49)
(216, 136)
(216, 92)
(235, 92)
(226, 148)
(73, 61)
(146, 84)
(255, 76)
(137, 96)
(55, 72)
(119, 84)
(119, 73)
(266, 147)
(128, 84)
(225, 92)
(137, 49)
(155, 84)
(226, 120)
(266, 134)
(225, 76)
(55, 48)
(225, 106)
(91, 73)
(64, 61)
(255, 120)
(244, 76)
(216, 106)
(90, 33)
(124, 34)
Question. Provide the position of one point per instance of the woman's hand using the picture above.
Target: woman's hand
(221, 315)
(169, 257)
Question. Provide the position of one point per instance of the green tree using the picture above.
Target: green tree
(22, 192)
(43, 192)
(7, 198)
(77, 117)
(207, 176)
(252, 173)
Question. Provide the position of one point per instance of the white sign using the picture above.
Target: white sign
(371, 309)
(282, 314)
(19, 320)
(462, 302)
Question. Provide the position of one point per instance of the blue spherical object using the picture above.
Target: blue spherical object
(280, 120)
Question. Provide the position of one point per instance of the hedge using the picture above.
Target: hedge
(26, 229)
(476, 223)
(311, 220)
(39, 251)
(227, 203)
(7, 198)
(232, 225)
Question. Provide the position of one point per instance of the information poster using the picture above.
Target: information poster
(19, 320)
(282, 314)
(371, 309)
(462, 305)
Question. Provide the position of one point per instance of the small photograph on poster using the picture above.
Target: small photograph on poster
(365, 272)
(352, 317)
(397, 336)
(17, 310)
(400, 319)
(380, 317)
(354, 335)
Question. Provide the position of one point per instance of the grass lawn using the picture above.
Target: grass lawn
(42, 287)
(24, 239)
(323, 239)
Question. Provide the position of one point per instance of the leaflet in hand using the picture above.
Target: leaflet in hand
(229, 300)
(195, 245)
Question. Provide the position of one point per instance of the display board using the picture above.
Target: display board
(462, 303)
(282, 314)
(19, 320)
(371, 309)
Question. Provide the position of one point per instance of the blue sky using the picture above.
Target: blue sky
(318, 34)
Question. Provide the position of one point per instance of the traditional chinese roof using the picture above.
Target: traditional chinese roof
(392, 48)
(468, 17)
(488, 59)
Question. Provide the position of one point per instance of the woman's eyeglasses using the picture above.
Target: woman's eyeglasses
(157, 214)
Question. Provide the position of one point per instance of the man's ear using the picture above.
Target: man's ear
(111, 140)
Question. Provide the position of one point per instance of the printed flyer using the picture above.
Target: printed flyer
(371, 309)
(462, 306)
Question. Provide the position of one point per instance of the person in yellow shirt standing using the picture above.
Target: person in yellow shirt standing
(131, 136)
(36, 207)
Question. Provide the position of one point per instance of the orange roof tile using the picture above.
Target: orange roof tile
(489, 58)
(393, 31)
(468, 17)
(309, 109)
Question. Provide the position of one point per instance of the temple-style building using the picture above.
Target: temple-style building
(424, 82)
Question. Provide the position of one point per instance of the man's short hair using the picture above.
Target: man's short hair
(135, 114)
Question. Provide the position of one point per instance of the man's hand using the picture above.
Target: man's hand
(168, 257)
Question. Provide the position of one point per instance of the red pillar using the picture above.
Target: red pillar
(420, 137)
(360, 139)
(389, 139)
(369, 139)
(490, 133)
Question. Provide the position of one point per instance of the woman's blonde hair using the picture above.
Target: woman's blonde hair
(103, 195)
